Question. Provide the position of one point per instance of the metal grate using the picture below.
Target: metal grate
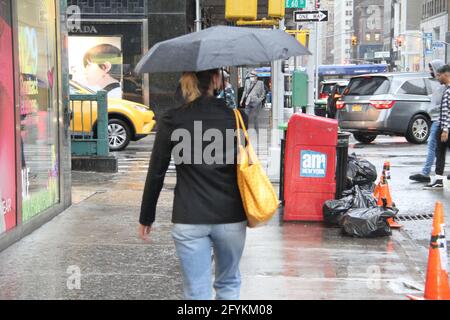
(414, 217)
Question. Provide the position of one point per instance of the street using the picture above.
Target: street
(96, 239)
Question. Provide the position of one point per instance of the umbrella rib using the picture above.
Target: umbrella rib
(263, 47)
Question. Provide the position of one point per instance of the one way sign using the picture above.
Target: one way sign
(311, 16)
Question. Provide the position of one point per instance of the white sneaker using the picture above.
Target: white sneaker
(437, 185)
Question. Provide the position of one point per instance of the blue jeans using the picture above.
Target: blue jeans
(194, 244)
(432, 145)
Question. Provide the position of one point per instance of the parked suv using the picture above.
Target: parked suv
(389, 104)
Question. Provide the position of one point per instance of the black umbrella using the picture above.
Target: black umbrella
(219, 47)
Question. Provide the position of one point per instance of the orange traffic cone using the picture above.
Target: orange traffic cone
(436, 286)
(383, 193)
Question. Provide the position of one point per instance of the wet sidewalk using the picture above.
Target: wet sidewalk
(97, 239)
(309, 261)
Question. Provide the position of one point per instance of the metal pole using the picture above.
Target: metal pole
(296, 58)
(273, 169)
(311, 71)
(281, 88)
(198, 19)
(316, 77)
(446, 53)
(447, 43)
(102, 123)
(423, 51)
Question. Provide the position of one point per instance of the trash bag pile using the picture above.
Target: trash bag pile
(361, 173)
(357, 212)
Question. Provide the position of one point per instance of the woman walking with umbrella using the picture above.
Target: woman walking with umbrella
(208, 211)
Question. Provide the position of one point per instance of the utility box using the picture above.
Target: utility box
(310, 166)
(300, 89)
(277, 8)
(241, 9)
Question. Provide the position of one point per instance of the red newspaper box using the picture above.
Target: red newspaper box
(310, 166)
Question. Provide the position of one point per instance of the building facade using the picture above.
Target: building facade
(34, 116)
(368, 25)
(407, 39)
(343, 31)
(327, 39)
(389, 32)
(434, 26)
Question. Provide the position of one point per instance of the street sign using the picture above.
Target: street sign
(311, 16)
(382, 54)
(428, 39)
(295, 4)
(438, 44)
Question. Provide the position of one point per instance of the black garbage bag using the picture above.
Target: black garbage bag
(368, 223)
(363, 198)
(347, 192)
(360, 172)
(334, 210)
(370, 187)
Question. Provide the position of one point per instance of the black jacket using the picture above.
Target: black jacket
(204, 193)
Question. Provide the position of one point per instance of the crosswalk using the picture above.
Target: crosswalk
(135, 159)
(137, 162)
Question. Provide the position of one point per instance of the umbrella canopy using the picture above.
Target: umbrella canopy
(219, 47)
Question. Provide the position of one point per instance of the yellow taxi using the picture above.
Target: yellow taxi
(127, 120)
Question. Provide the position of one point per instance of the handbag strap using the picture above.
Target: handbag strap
(240, 125)
(251, 90)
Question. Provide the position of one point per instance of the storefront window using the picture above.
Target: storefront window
(7, 127)
(38, 99)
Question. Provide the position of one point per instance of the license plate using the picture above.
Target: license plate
(357, 108)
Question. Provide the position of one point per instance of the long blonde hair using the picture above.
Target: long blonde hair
(189, 87)
(196, 84)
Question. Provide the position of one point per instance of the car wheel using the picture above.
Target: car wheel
(119, 134)
(418, 130)
(365, 137)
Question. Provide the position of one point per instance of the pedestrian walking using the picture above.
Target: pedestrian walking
(252, 98)
(331, 103)
(442, 135)
(228, 92)
(436, 99)
(208, 212)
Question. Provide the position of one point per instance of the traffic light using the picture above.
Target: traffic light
(399, 41)
(303, 37)
(277, 8)
(354, 40)
(241, 9)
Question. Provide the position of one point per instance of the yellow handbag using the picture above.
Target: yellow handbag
(258, 195)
